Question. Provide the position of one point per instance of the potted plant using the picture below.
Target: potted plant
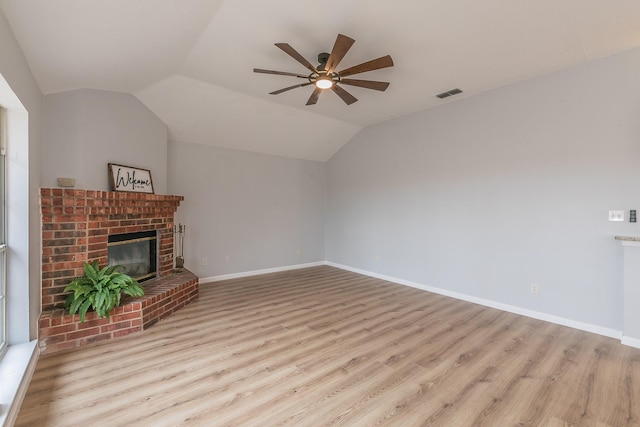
(100, 290)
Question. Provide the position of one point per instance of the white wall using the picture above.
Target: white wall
(86, 129)
(21, 95)
(489, 194)
(257, 209)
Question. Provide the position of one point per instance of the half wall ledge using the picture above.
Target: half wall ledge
(163, 297)
(631, 286)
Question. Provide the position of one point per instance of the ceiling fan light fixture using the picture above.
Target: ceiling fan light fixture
(324, 83)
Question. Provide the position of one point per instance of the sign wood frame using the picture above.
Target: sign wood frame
(129, 178)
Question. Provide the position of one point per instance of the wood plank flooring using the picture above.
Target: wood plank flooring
(322, 346)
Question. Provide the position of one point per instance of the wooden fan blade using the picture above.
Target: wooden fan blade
(374, 64)
(339, 50)
(346, 96)
(295, 55)
(369, 84)
(280, 73)
(275, 92)
(314, 96)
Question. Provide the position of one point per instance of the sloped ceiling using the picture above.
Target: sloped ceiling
(191, 61)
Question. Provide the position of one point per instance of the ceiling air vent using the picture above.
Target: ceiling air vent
(449, 93)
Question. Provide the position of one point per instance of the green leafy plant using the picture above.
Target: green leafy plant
(100, 290)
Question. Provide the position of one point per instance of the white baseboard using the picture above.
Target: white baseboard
(612, 333)
(258, 272)
(632, 342)
(16, 370)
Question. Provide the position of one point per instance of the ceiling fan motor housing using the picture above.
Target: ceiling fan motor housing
(323, 57)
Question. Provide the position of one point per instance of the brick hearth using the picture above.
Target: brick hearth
(75, 229)
(163, 297)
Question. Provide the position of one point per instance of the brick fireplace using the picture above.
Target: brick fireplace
(76, 225)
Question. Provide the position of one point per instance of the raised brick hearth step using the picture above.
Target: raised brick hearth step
(163, 296)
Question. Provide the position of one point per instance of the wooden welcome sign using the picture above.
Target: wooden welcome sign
(127, 178)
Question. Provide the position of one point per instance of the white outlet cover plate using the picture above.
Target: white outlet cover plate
(616, 215)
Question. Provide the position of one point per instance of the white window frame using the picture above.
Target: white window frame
(3, 234)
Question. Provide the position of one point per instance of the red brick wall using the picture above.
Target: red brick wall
(76, 225)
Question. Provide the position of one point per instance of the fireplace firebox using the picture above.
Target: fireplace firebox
(137, 253)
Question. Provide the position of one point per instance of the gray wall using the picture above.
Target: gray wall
(86, 129)
(255, 208)
(258, 210)
(24, 174)
(486, 195)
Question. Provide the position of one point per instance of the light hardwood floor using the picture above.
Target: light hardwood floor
(322, 346)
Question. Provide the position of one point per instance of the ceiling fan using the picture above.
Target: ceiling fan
(325, 76)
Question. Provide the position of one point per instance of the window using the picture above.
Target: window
(3, 238)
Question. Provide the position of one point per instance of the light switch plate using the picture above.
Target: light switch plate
(616, 215)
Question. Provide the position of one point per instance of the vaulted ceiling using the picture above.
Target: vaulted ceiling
(191, 61)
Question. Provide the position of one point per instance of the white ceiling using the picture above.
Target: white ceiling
(191, 61)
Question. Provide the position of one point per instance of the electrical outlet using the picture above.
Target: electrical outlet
(227, 258)
(616, 215)
(299, 251)
(376, 258)
(534, 288)
(205, 261)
